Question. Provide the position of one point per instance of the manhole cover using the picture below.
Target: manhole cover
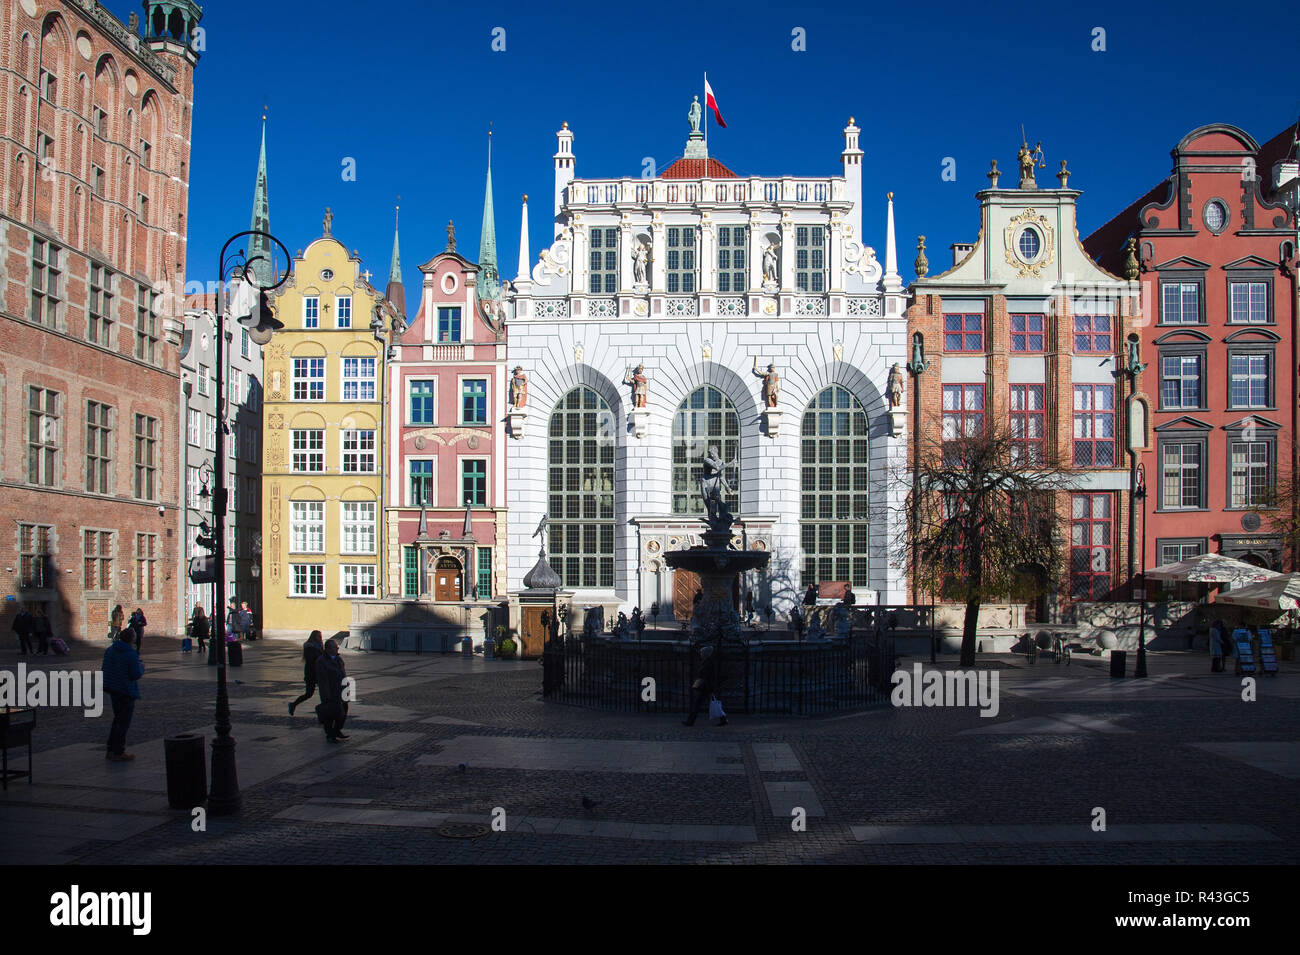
(463, 830)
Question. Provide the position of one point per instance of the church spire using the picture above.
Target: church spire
(489, 284)
(394, 292)
(522, 275)
(259, 247)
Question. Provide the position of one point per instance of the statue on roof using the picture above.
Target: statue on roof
(694, 115)
(451, 236)
(329, 220)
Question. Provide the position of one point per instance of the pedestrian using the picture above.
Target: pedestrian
(122, 671)
(1218, 646)
(705, 685)
(332, 709)
(232, 622)
(849, 598)
(115, 622)
(246, 620)
(311, 652)
(136, 626)
(810, 596)
(199, 626)
(24, 626)
(42, 631)
(796, 621)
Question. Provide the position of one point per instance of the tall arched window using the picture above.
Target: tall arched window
(705, 418)
(580, 503)
(834, 476)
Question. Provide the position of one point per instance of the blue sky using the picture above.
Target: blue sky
(407, 90)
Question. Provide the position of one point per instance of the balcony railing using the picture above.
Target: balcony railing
(679, 191)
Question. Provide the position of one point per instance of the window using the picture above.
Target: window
(448, 324)
(1250, 380)
(101, 121)
(248, 443)
(580, 478)
(1094, 426)
(834, 488)
(421, 474)
(309, 379)
(358, 451)
(146, 566)
(358, 580)
(358, 527)
(963, 332)
(43, 413)
(679, 271)
(1180, 381)
(1252, 473)
(1215, 216)
(193, 484)
(963, 411)
(484, 582)
(473, 401)
(194, 427)
(473, 482)
(205, 380)
(236, 395)
(343, 311)
(210, 432)
(97, 180)
(307, 527)
(250, 493)
(311, 311)
(146, 325)
(49, 85)
(232, 443)
(99, 444)
(34, 556)
(1029, 244)
(1180, 303)
(245, 344)
(146, 152)
(254, 394)
(732, 273)
(143, 207)
(308, 450)
(1092, 334)
(1027, 431)
(97, 560)
(1181, 487)
(99, 307)
(306, 580)
(1090, 546)
(1249, 303)
(358, 379)
(410, 572)
(602, 270)
(421, 392)
(1027, 333)
(146, 458)
(46, 285)
(810, 258)
(705, 419)
(1173, 551)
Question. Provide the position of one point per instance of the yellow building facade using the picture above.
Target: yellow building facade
(323, 427)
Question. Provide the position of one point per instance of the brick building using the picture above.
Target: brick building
(96, 121)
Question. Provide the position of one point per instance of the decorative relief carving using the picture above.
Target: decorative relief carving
(443, 436)
(1046, 255)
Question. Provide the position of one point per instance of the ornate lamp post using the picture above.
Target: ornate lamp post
(1139, 498)
(917, 367)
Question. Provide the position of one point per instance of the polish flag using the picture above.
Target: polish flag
(711, 102)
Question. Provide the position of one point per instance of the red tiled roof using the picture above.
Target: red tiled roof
(696, 169)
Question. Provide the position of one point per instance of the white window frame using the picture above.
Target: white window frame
(306, 527)
(1248, 285)
(363, 455)
(359, 583)
(194, 427)
(310, 448)
(357, 528)
(487, 479)
(308, 378)
(342, 303)
(210, 433)
(406, 478)
(205, 389)
(313, 576)
(408, 419)
(358, 380)
(311, 311)
(460, 406)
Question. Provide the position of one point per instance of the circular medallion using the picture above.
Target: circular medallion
(1250, 522)
(83, 46)
(759, 544)
(419, 442)
(132, 83)
(472, 442)
(770, 308)
(653, 546)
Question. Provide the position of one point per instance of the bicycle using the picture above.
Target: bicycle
(1060, 649)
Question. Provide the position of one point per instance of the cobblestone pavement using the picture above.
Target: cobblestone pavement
(1185, 771)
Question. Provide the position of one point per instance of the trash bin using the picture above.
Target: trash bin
(235, 654)
(187, 775)
(1117, 659)
(467, 646)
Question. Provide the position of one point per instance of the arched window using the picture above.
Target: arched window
(705, 418)
(834, 476)
(580, 503)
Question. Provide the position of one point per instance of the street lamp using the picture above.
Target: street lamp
(917, 367)
(1139, 497)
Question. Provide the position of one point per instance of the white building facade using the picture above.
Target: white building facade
(646, 331)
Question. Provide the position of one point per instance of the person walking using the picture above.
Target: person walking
(246, 620)
(136, 625)
(199, 627)
(705, 685)
(42, 631)
(311, 652)
(232, 621)
(115, 623)
(333, 709)
(1218, 646)
(122, 671)
(24, 626)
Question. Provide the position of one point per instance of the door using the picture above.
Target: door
(686, 584)
(446, 579)
(532, 635)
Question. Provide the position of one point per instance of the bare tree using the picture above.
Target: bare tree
(1280, 513)
(982, 522)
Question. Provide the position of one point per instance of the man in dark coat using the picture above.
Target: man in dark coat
(136, 626)
(333, 709)
(705, 685)
(311, 652)
(23, 626)
(122, 669)
(42, 631)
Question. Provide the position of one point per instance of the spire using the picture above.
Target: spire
(261, 219)
(524, 258)
(489, 285)
(394, 291)
(891, 283)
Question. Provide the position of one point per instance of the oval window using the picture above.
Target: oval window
(327, 274)
(1029, 245)
(1216, 216)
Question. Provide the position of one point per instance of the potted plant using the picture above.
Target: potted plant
(505, 644)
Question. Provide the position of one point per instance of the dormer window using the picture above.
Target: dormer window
(448, 325)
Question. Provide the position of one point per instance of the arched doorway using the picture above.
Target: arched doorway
(1255, 560)
(447, 579)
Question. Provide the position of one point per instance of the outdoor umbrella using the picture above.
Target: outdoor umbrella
(1211, 569)
(1277, 593)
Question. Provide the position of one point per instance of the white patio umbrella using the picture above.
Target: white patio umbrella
(1211, 569)
(1277, 593)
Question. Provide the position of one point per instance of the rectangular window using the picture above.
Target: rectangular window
(306, 580)
(1094, 426)
(205, 380)
(309, 379)
(679, 270)
(1171, 552)
(358, 451)
(210, 432)
(194, 427)
(99, 307)
(34, 556)
(448, 324)
(146, 153)
(245, 344)
(358, 379)
(142, 207)
(1180, 381)
(1249, 381)
(358, 580)
(421, 473)
(307, 527)
(1181, 487)
(146, 325)
(1027, 333)
(963, 411)
(248, 443)
(145, 487)
(602, 262)
(1252, 473)
(97, 180)
(46, 283)
(101, 121)
(473, 482)
(1090, 546)
(146, 566)
(1027, 428)
(484, 583)
(311, 311)
(236, 393)
(410, 572)
(810, 258)
(358, 527)
(1249, 303)
(473, 401)
(343, 311)
(97, 560)
(250, 494)
(1180, 303)
(963, 332)
(99, 445)
(308, 450)
(421, 392)
(733, 274)
(43, 414)
(193, 484)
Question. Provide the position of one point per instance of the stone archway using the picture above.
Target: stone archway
(447, 577)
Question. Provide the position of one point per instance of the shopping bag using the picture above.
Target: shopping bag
(715, 709)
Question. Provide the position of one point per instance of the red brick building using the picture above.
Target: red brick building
(1216, 249)
(92, 261)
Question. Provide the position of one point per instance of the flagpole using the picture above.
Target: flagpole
(705, 118)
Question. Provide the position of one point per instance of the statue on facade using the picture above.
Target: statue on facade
(1131, 259)
(713, 487)
(771, 384)
(451, 236)
(1028, 159)
(769, 262)
(329, 220)
(895, 386)
(519, 388)
(640, 259)
(640, 385)
(694, 115)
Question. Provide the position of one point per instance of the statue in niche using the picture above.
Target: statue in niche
(771, 384)
(693, 115)
(519, 388)
(640, 385)
(640, 259)
(713, 487)
(769, 262)
(895, 386)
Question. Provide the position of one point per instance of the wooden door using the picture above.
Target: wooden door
(686, 584)
(446, 579)
(532, 634)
